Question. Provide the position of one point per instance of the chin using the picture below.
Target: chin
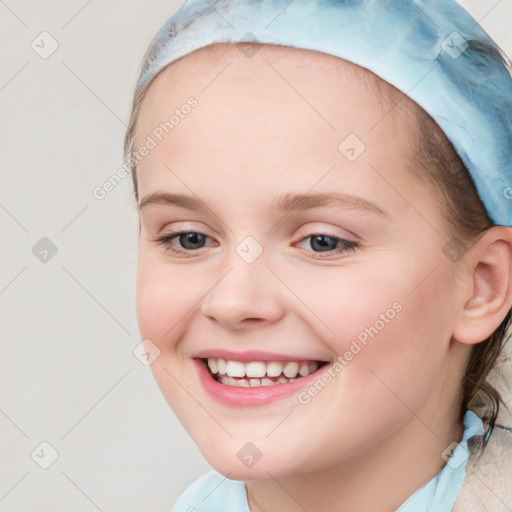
(235, 470)
(242, 460)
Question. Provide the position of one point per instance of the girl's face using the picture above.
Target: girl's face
(311, 241)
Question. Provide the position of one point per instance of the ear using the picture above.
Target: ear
(489, 292)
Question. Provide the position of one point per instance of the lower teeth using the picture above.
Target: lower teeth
(252, 383)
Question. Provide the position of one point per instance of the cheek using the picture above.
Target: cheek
(166, 297)
(347, 303)
(390, 334)
(414, 349)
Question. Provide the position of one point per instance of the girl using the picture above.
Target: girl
(324, 272)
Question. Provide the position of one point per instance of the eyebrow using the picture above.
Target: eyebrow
(289, 202)
(284, 203)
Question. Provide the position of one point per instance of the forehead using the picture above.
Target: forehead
(264, 108)
(248, 59)
(254, 55)
(322, 75)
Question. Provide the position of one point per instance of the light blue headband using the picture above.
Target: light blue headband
(431, 50)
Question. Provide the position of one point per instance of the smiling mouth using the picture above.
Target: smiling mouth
(259, 373)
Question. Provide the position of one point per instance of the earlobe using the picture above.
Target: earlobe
(490, 291)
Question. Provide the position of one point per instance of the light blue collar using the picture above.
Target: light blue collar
(440, 493)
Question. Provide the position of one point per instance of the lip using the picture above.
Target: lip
(235, 396)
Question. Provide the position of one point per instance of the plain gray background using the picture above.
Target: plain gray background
(68, 327)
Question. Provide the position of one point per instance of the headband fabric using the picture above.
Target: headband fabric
(431, 50)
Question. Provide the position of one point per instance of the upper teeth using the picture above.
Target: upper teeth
(258, 369)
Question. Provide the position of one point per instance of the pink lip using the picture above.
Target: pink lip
(248, 356)
(235, 396)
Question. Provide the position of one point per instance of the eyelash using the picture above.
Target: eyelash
(347, 245)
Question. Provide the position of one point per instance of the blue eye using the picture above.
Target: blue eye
(323, 243)
(188, 240)
(191, 240)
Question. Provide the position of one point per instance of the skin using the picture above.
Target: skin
(267, 125)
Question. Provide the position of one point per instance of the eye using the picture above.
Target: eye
(188, 240)
(324, 243)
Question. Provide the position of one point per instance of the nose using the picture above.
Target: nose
(245, 296)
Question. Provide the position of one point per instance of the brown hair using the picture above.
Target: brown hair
(467, 221)
(436, 161)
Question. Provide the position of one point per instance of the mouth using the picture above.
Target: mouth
(254, 374)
